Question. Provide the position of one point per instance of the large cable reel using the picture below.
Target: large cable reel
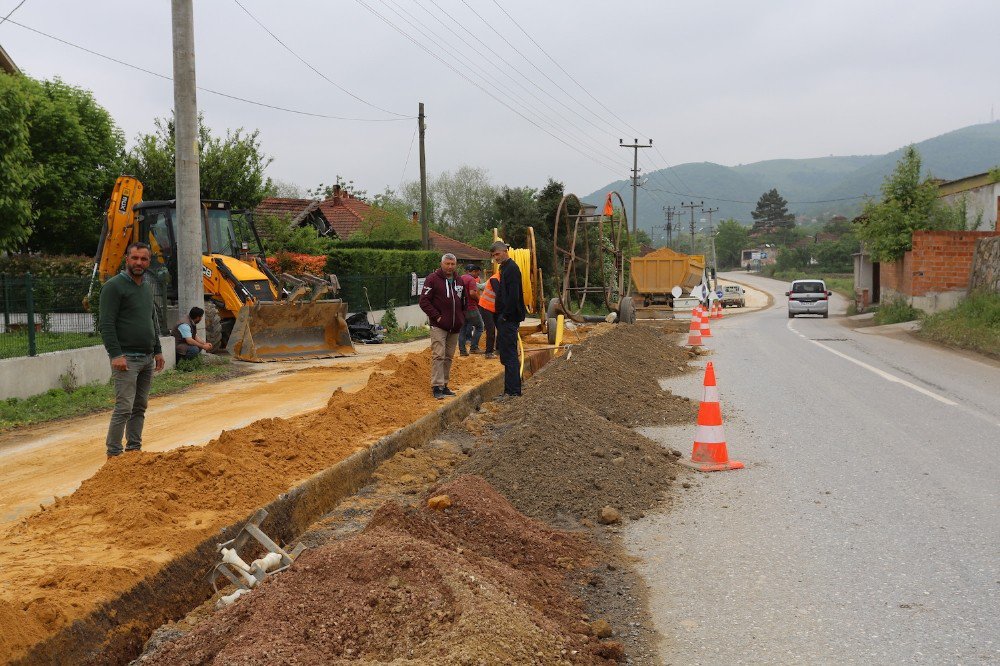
(589, 256)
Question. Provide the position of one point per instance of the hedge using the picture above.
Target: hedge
(381, 262)
(364, 243)
(39, 264)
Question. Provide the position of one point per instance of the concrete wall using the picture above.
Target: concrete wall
(26, 376)
(982, 206)
(407, 315)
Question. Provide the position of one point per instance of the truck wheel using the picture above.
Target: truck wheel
(626, 311)
(213, 326)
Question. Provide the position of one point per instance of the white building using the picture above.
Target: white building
(981, 196)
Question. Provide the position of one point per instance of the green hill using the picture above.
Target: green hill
(815, 187)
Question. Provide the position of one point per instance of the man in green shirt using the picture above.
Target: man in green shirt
(129, 331)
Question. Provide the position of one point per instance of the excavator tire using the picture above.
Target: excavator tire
(213, 326)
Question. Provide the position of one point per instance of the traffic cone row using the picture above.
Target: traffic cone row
(709, 453)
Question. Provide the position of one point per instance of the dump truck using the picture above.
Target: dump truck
(249, 310)
(655, 276)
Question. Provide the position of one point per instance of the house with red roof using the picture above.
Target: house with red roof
(342, 214)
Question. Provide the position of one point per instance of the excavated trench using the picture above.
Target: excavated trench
(95, 578)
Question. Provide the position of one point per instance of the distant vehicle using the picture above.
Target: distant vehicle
(733, 295)
(808, 297)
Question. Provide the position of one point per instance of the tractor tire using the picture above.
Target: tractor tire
(553, 326)
(213, 327)
(626, 311)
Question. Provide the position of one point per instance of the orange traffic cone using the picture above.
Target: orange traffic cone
(718, 313)
(694, 331)
(706, 332)
(709, 452)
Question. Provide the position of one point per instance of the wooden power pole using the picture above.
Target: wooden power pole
(425, 232)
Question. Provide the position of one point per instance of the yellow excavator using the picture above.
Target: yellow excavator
(249, 310)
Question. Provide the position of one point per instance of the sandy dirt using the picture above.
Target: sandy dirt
(31, 476)
(141, 510)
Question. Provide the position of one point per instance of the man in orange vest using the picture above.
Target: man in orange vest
(487, 307)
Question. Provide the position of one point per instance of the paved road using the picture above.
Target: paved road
(866, 527)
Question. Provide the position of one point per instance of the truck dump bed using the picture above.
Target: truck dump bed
(660, 271)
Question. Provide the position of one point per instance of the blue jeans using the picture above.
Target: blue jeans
(471, 330)
(131, 397)
(187, 351)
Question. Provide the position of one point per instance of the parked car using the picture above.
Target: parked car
(733, 296)
(808, 297)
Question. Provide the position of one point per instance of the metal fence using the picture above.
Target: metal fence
(44, 313)
(373, 292)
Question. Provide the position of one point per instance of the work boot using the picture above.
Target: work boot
(462, 352)
(438, 395)
(475, 350)
(490, 355)
(447, 392)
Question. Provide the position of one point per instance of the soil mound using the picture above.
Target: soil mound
(140, 510)
(476, 583)
(560, 461)
(615, 374)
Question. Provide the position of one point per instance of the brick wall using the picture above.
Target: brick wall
(896, 276)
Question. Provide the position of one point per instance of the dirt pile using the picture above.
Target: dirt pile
(476, 583)
(141, 510)
(615, 374)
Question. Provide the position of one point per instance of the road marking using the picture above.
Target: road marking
(881, 373)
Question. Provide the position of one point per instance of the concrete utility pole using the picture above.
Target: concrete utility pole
(669, 211)
(635, 146)
(711, 234)
(190, 292)
(692, 206)
(425, 231)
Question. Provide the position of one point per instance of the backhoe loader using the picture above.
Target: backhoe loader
(248, 309)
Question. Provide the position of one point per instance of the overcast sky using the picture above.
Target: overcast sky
(730, 81)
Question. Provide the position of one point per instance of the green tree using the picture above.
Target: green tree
(514, 210)
(232, 168)
(388, 219)
(771, 214)
(18, 172)
(60, 152)
(907, 205)
(730, 241)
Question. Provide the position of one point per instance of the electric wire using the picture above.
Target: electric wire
(740, 201)
(434, 37)
(202, 88)
(309, 65)
(498, 99)
(11, 12)
(402, 176)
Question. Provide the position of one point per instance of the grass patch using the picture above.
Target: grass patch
(70, 402)
(896, 311)
(974, 325)
(407, 334)
(842, 283)
(13, 345)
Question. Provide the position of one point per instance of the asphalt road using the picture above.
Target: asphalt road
(866, 526)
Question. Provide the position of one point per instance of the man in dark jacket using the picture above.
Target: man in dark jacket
(443, 301)
(128, 329)
(510, 313)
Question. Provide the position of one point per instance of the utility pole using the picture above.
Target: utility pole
(635, 146)
(190, 292)
(711, 235)
(425, 232)
(692, 206)
(670, 211)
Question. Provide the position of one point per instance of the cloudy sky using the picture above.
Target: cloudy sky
(729, 81)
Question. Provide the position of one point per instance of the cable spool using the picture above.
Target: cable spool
(526, 259)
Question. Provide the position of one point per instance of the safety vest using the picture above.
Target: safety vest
(488, 299)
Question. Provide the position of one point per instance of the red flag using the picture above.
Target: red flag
(609, 209)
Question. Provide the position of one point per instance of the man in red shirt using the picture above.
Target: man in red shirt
(443, 301)
(473, 327)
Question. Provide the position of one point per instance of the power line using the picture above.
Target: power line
(407, 162)
(321, 74)
(436, 38)
(498, 99)
(201, 88)
(11, 12)
(705, 196)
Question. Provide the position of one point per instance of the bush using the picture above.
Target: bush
(379, 244)
(974, 324)
(48, 265)
(291, 262)
(895, 311)
(381, 262)
(389, 320)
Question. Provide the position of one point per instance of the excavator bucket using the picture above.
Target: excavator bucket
(286, 331)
